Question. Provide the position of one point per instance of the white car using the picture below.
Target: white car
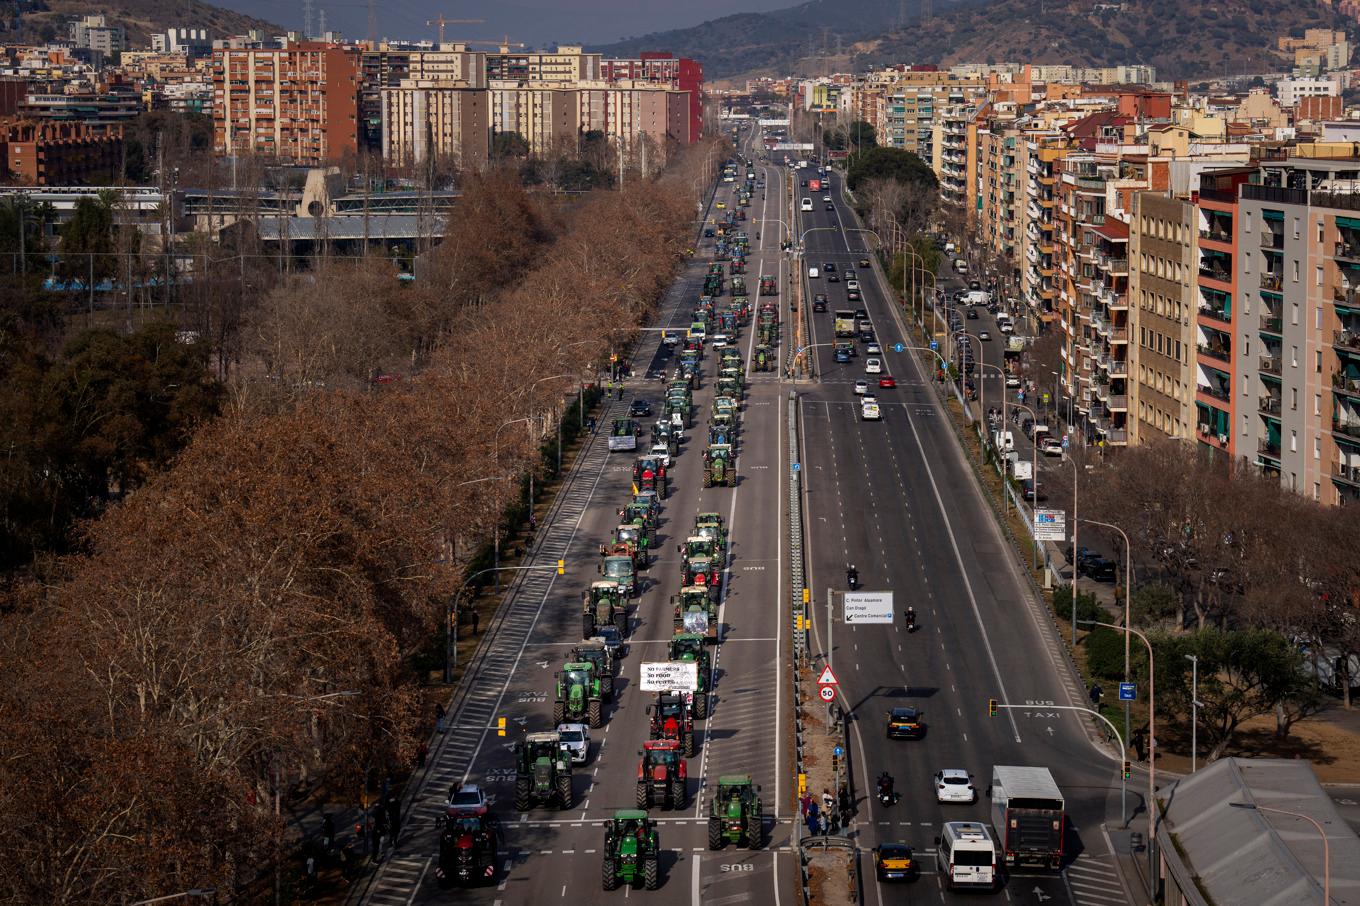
(1051, 446)
(861, 388)
(873, 349)
(469, 795)
(851, 283)
(576, 740)
(955, 785)
(826, 198)
(718, 341)
(870, 411)
(873, 366)
(984, 335)
(1005, 327)
(1012, 380)
(661, 452)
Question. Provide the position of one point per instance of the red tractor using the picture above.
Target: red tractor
(661, 776)
(673, 720)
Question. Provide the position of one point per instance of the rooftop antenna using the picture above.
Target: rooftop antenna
(441, 22)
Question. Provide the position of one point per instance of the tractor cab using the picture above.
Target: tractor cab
(650, 500)
(724, 405)
(542, 771)
(764, 358)
(718, 465)
(631, 851)
(637, 535)
(579, 696)
(620, 569)
(662, 775)
(604, 604)
(701, 572)
(638, 514)
(696, 611)
(711, 525)
(737, 814)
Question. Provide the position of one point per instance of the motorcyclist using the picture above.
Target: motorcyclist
(851, 576)
(885, 785)
(911, 617)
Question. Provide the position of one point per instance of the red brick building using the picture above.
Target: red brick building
(299, 103)
(60, 154)
(679, 73)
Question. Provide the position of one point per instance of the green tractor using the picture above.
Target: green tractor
(679, 408)
(632, 851)
(696, 612)
(606, 666)
(620, 568)
(718, 468)
(603, 603)
(686, 646)
(711, 525)
(736, 814)
(729, 387)
(638, 538)
(542, 771)
(639, 513)
(724, 405)
(764, 358)
(579, 695)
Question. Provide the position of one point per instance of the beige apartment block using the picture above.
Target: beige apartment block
(425, 118)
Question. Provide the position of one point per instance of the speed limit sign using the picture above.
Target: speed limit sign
(828, 693)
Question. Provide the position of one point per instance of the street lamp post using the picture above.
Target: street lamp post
(451, 623)
(1128, 591)
(1034, 484)
(1322, 832)
(1195, 705)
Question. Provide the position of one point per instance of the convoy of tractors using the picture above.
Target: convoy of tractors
(584, 684)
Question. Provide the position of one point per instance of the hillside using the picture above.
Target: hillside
(1182, 38)
(41, 20)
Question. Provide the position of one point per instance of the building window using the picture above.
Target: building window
(1293, 399)
(1296, 228)
(1317, 361)
(1317, 403)
(1317, 447)
(1294, 269)
(1246, 223)
(1293, 356)
(1293, 441)
(1294, 313)
(1317, 276)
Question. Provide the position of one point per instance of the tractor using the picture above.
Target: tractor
(678, 409)
(632, 850)
(652, 502)
(639, 514)
(696, 611)
(721, 432)
(724, 405)
(663, 433)
(672, 717)
(764, 358)
(650, 475)
(627, 549)
(467, 845)
(603, 603)
(768, 286)
(699, 547)
(711, 525)
(602, 660)
(729, 387)
(579, 695)
(686, 646)
(542, 771)
(718, 468)
(661, 775)
(639, 537)
(700, 572)
(727, 422)
(619, 568)
(736, 813)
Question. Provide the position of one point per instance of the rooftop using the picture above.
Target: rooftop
(1238, 855)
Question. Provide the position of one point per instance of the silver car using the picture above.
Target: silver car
(576, 740)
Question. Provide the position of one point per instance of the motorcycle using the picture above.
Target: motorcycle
(886, 795)
(911, 621)
(852, 578)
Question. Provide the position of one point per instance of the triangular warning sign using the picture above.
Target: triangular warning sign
(827, 678)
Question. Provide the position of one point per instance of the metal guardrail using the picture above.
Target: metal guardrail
(797, 579)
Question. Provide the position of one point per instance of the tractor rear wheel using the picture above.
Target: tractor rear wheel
(559, 712)
(641, 797)
(596, 714)
(715, 831)
(607, 687)
(700, 705)
(651, 874)
(678, 793)
(609, 876)
(621, 621)
(564, 791)
(754, 829)
(687, 743)
(587, 625)
(522, 794)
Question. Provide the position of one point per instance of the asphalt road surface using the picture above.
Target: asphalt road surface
(550, 856)
(897, 499)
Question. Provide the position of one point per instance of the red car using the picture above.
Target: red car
(887, 381)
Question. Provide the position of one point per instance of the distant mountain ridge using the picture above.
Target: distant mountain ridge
(42, 20)
(1182, 38)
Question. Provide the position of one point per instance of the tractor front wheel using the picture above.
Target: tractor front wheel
(678, 793)
(559, 712)
(607, 687)
(687, 743)
(651, 874)
(715, 831)
(564, 791)
(621, 621)
(587, 626)
(700, 706)
(522, 794)
(609, 876)
(596, 715)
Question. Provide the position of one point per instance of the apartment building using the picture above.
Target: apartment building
(1000, 198)
(423, 119)
(1215, 290)
(389, 65)
(1299, 272)
(298, 103)
(1163, 257)
(565, 65)
(1043, 155)
(60, 154)
(663, 70)
(95, 33)
(954, 153)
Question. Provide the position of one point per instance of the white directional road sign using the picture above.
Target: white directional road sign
(793, 146)
(864, 607)
(1050, 525)
(670, 676)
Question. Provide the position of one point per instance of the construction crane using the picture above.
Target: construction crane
(441, 22)
(504, 45)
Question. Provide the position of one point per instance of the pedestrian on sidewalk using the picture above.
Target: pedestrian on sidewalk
(828, 803)
(327, 833)
(845, 799)
(422, 753)
(822, 823)
(439, 717)
(476, 620)
(394, 818)
(379, 824)
(804, 802)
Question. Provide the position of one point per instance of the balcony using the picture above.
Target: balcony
(1216, 273)
(1346, 428)
(1347, 385)
(1115, 367)
(1267, 449)
(1215, 314)
(1119, 335)
(1269, 405)
(1273, 283)
(1269, 364)
(1271, 324)
(1347, 295)
(1346, 339)
(1118, 403)
(1272, 240)
(1221, 353)
(1349, 251)
(1218, 393)
(1207, 434)
(1117, 436)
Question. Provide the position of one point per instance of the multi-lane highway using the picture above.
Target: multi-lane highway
(897, 499)
(548, 855)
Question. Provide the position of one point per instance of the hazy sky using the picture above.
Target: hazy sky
(535, 22)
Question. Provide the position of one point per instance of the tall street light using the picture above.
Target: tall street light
(1322, 832)
(1128, 589)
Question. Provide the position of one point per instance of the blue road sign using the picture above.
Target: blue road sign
(898, 347)
(838, 751)
(797, 467)
(934, 345)
(1128, 692)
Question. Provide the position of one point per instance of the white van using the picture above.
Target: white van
(807, 204)
(813, 273)
(960, 266)
(966, 856)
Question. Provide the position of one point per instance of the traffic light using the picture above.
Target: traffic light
(991, 707)
(561, 567)
(1128, 770)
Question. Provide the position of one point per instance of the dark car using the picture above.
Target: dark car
(905, 723)
(830, 207)
(1029, 488)
(819, 305)
(833, 278)
(972, 313)
(1098, 568)
(861, 315)
(640, 409)
(866, 336)
(842, 356)
(829, 267)
(708, 232)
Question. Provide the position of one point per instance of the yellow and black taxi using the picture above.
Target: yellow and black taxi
(906, 723)
(894, 862)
